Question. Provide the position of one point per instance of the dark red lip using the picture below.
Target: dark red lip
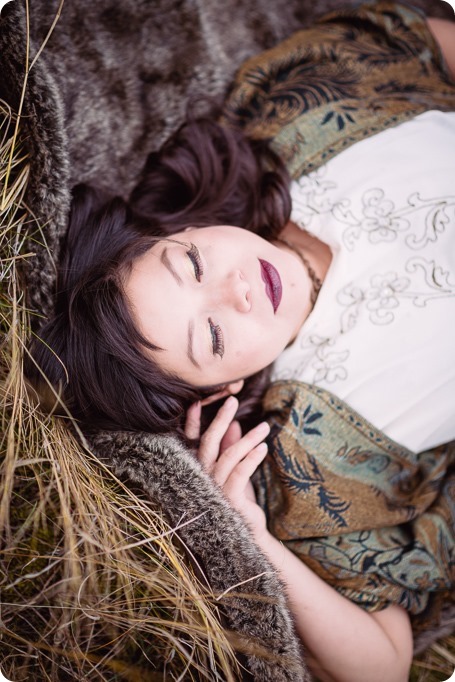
(273, 286)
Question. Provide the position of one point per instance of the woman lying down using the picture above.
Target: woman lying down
(296, 259)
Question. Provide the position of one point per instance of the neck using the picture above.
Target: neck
(316, 283)
(314, 254)
(315, 251)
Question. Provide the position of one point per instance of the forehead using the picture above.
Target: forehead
(153, 298)
(213, 234)
(146, 277)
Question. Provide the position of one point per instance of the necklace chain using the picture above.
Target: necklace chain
(315, 281)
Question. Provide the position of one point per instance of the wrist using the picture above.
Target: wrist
(268, 543)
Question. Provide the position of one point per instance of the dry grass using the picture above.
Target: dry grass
(437, 664)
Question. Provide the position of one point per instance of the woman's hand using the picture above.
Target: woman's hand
(230, 458)
(348, 643)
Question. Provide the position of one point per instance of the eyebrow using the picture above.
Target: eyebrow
(189, 351)
(167, 264)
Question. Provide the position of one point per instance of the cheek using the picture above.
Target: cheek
(252, 358)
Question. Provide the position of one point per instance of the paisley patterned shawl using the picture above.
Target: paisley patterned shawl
(369, 516)
(355, 73)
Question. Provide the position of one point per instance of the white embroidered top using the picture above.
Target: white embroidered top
(382, 333)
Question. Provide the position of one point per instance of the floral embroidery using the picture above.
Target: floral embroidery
(383, 296)
(380, 221)
(328, 364)
(311, 198)
(330, 368)
(386, 291)
(436, 279)
(379, 218)
(436, 219)
(383, 222)
(420, 281)
(351, 297)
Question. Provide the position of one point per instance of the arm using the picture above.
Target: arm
(444, 33)
(347, 643)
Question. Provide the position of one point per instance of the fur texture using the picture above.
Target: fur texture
(220, 542)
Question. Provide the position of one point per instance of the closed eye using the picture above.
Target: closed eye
(217, 338)
(195, 258)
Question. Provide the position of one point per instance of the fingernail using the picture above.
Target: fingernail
(231, 401)
(263, 427)
(262, 448)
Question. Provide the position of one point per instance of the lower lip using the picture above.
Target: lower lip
(272, 280)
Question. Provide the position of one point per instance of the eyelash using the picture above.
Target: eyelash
(195, 257)
(215, 329)
(217, 338)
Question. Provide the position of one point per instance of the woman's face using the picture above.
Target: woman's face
(221, 302)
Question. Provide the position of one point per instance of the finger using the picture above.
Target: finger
(239, 479)
(250, 492)
(231, 389)
(232, 435)
(209, 448)
(193, 421)
(214, 397)
(231, 457)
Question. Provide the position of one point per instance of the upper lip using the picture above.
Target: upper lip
(273, 286)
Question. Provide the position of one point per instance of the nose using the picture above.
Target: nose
(234, 291)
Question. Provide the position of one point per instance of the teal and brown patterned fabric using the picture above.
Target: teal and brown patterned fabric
(372, 518)
(356, 72)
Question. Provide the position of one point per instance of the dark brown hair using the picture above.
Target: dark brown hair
(91, 349)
